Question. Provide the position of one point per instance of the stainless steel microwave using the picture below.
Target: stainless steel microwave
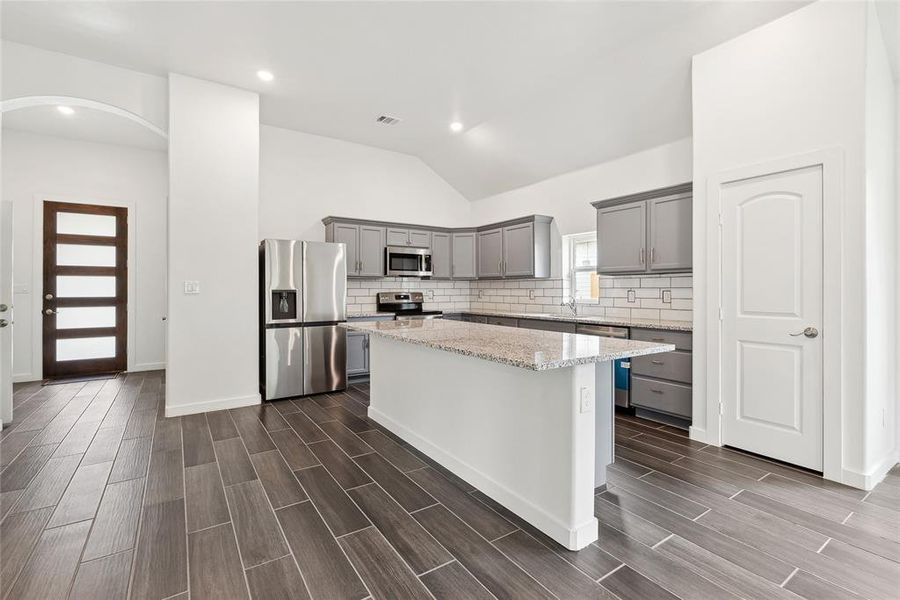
(402, 261)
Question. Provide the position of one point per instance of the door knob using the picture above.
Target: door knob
(809, 332)
(4, 307)
(48, 297)
(49, 311)
(3, 322)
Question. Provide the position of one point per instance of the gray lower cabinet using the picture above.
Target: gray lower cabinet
(504, 321)
(441, 255)
(365, 247)
(661, 383)
(357, 354)
(649, 232)
(463, 245)
(560, 326)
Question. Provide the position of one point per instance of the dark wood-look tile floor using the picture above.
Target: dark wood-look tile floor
(103, 497)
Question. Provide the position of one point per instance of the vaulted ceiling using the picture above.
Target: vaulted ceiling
(542, 88)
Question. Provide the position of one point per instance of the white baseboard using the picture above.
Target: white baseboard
(867, 481)
(579, 537)
(698, 435)
(210, 405)
(151, 366)
(24, 377)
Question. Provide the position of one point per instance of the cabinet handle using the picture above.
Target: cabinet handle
(652, 255)
(657, 339)
(500, 266)
(642, 256)
(656, 391)
(657, 362)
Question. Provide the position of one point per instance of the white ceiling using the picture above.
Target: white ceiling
(542, 87)
(84, 124)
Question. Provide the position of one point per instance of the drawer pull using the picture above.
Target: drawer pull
(659, 339)
(657, 391)
(657, 362)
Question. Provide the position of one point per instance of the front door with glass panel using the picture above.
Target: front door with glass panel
(85, 289)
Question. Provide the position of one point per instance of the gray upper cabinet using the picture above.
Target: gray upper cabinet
(420, 239)
(646, 233)
(514, 248)
(518, 250)
(670, 221)
(371, 251)
(463, 266)
(621, 238)
(365, 247)
(349, 235)
(490, 253)
(408, 237)
(397, 237)
(441, 255)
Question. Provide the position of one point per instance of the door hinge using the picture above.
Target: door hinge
(721, 408)
(721, 220)
(721, 314)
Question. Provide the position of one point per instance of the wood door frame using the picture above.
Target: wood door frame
(49, 332)
(38, 268)
(832, 164)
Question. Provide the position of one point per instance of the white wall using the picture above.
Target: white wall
(766, 95)
(305, 177)
(881, 252)
(37, 167)
(568, 197)
(213, 229)
(30, 71)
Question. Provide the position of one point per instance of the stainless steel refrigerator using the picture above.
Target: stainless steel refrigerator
(303, 289)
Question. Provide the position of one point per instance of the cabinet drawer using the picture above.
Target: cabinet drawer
(683, 340)
(561, 326)
(668, 365)
(671, 398)
(505, 321)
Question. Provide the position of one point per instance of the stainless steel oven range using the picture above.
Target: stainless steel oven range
(405, 305)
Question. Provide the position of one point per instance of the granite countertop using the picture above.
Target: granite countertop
(369, 314)
(668, 325)
(524, 348)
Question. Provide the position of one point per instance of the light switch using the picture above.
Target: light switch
(191, 287)
(631, 296)
(667, 296)
(531, 294)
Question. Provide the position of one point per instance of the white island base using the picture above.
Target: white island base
(537, 442)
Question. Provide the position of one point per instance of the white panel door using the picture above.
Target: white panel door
(772, 294)
(6, 296)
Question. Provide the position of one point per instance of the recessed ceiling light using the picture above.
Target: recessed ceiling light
(456, 126)
(265, 75)
(66, 110)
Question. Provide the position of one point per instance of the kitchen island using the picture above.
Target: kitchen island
(525, 416)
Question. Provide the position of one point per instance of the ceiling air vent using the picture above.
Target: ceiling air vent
(388, 120)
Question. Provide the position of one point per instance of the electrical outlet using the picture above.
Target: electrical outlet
(480, 294)
(632, 296)
(191, 287)
(531, 294)
(667, 296)
(429, 294)
(587, 400)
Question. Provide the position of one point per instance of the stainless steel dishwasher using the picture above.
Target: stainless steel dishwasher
(622, 369)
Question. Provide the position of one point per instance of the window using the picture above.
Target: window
(583, 282)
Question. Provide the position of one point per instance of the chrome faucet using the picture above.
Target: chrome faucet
(573, 306)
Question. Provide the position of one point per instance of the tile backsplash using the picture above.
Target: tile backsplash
(539, 295)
